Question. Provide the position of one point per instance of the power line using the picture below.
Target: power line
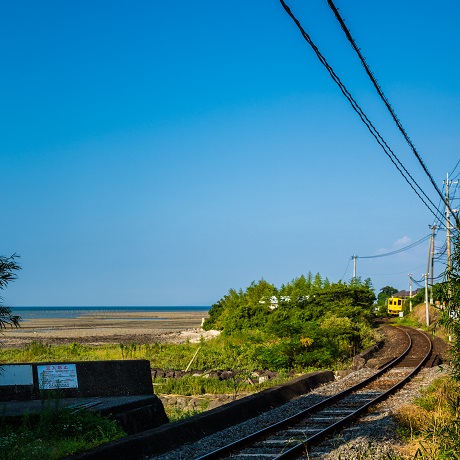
(455, 167)
(384, 98)
(391, 155)
(397, 251)
(344, 273)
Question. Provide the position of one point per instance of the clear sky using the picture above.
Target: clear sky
(161, 153)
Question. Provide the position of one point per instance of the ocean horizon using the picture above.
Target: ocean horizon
(32, 312)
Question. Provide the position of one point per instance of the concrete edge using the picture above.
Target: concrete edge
(172, 435)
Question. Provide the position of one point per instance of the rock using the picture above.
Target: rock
(343, 373)
(358, 363)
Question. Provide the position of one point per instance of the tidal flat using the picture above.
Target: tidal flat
(100, 328)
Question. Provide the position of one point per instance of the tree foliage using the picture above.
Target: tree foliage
(449, 296)
(384, 293)
(306, 322)
(8, 269)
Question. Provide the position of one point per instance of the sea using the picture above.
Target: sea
(29, 313)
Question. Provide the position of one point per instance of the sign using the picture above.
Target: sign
(16, 374)
(55, 376)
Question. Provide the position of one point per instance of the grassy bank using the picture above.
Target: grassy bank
(54, 434)
(236, 352)
(431, 424)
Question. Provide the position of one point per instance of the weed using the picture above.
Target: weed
(433, 421)
(53, 434)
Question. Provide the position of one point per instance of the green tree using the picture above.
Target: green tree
(314, 323)
(298, 289)
(8, 267)
(449, 295)
(384, 293)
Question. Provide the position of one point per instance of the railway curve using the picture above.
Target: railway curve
(328, 415)
(291, 436)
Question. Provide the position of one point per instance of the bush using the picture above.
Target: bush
(54, 434)
(433, 421)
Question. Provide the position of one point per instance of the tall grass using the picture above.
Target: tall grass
(54, 434)
(237, 352)
(432, 422)
(193, 385)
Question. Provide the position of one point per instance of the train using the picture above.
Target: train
(395, 305)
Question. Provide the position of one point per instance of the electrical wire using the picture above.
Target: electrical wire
(441, 201)
(455, 167)
(410, 246)
(344, 273)
(419, 282)
(391, 155)
(384, 98)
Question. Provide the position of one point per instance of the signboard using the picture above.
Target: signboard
(16, 374)
(55, 376)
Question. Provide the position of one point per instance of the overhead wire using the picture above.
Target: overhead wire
(441, 201)
(397, 251)
(372, 129)
(455, 167)
(344, 273)
(384, 98)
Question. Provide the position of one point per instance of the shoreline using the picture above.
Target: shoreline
(101, 328)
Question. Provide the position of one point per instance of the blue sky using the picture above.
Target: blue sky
(161, 153)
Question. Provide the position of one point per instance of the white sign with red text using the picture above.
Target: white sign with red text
(55, 376)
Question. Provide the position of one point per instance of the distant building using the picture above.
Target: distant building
(403, 294)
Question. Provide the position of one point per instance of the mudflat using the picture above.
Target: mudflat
(108, 327)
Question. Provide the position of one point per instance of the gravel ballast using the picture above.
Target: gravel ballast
(374, 434)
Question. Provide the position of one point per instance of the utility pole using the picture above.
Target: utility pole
(354, 267)
(410, 291)
(449, 264)
(433, 234)
(426, 275)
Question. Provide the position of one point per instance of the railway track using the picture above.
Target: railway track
(293, 436)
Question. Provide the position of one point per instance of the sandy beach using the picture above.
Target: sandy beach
(109, 327)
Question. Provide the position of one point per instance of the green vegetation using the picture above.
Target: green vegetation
(54, 434)
(431, 424)
(176, 413)
(193, 385)
(449, 295)
(8, 267)
(306, 323)
(220, 353)
(384, 294)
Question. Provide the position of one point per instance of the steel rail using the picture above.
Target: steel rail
(317, 437)
(247, 440)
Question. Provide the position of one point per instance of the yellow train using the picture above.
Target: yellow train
(395, 305)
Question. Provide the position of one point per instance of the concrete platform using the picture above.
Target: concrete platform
(134, 413)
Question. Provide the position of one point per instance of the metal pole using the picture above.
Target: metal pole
(433, 234)
(449, 265)
(426, 275)
(354, 266)
(426, 300)
(410, 291)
